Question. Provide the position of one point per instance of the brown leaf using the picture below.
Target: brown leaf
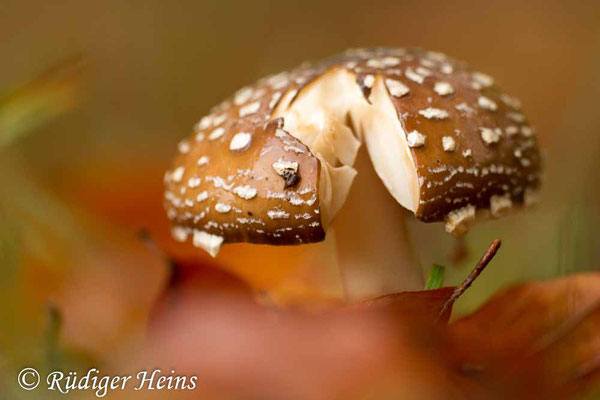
(535, 340)
(425, 305)
(243, 350)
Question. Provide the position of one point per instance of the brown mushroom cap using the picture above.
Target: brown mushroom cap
(274, 163)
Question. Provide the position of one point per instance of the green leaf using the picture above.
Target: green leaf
(436, 277)
(31, 105)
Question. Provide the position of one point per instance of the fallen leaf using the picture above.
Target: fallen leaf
(535, 340)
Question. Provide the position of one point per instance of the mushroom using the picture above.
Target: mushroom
(275, 163)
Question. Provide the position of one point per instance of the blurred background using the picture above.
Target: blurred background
(94, 97)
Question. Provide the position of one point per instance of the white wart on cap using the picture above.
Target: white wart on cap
(275, 164)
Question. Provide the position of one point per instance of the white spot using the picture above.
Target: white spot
(500, 205)
(487, 104)
(245, 192)
(368, 81)
(295, 200)
(510, 101)
(278, 214)
(194, 182)
(427, 63)
(203, 161)
(443, 88)
(222, 208)
(258, 93)
(436, 55)
(413, 76)
(294, 149)
(459, 221)
(200, 137)
(249, 109)
(278, 81)
(489, 135)
(415, 139)
(467, 153)
(390, 61)
(518, 153)
(171, 213)
(482, 80)
(180, 233)
(283, 166)
(423, 71)
(447, 69)
(396, 88)
(202, 196)
(208, 242)
(383, 63)
(511, 130)
(178, 174)
(434, 113)
(517, 117)
(464, 107)
(276, 195)
(525, 162)
(216, 133)
(465, 185)
(526, 131)
(183, 147)
(240, 141)
(219, 120)
(199, 217)
(243, 95)
(243, 220)
(203, 124)
(448, 143)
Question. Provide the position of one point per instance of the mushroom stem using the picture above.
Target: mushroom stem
(374, 250)
(459, 252)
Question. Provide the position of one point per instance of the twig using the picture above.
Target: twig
(483, 262)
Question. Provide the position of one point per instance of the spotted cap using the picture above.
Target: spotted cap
(273, 164)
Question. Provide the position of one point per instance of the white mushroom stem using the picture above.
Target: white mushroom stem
(374, 250)
(332, 117)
